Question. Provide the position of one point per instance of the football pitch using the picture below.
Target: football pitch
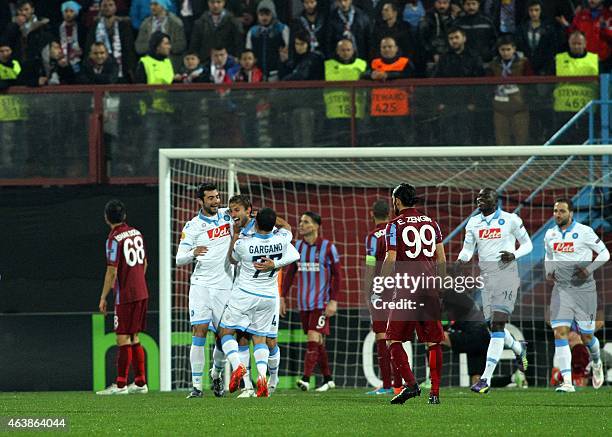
(337, 412)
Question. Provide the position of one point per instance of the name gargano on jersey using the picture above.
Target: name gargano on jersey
(269, 248)
(126, 234)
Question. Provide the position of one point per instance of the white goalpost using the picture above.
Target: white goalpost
(341, 184)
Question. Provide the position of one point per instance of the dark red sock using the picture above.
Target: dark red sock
(397, 377)
(311, 357)
(435, 368)
(384, 362)
(124, 358)
(324, 361)
(400, 362)
(138, 364)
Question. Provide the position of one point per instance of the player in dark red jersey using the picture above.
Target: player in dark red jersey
(375, 254)
(126, 265)
(319, 281)
(414, 248)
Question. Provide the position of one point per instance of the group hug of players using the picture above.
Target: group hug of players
(234, 289)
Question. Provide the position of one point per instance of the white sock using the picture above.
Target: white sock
(196, 358)
(593, 346)
(219, 362)
(496, 347)
(563, 355)
(511, 343)
(273, 363)
(261, 353)
(230, 348)
(245, 358)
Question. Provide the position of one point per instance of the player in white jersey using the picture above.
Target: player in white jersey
(206, 238)
(253, 304)
(494, 233)
(244, 226)
(569, 264)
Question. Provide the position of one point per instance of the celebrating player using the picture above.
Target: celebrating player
(244, 225)
(126, 265)
(375, 255)
(494, 233)
(414, 246)
(252, 306)
(318, 285)
(570, 265)
(206, 238)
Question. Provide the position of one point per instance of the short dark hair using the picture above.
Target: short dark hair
(567, 201)
(240, 199)
(505, 40)
(115, 211)
(21, 3)
(265, 219)
(380, 208)
(392, 3)
(218, 48)
(531, 3)
(302, 35)
(455, 29)
(205, 186)
(248, 51)
(406, 193)
(191, 53)
(314, 216)
(463, 1)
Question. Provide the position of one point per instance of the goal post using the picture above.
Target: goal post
(341, 184)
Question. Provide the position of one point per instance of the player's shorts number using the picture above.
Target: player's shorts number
(419, 240)
(321, 322)
(133, 250)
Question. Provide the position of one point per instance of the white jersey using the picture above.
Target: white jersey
(493, 234)
(213, 268)
(276, 246)
(574, 247)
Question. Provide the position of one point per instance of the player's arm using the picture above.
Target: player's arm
(289, 255)
(391, 254)
(281, 223)
(370, 264)
(525, 245)
(234, 255)
(235, 238)
(288, 275)
(109, 281)
(469, 246)
(187, 249)
(597, 246)
(549, 265)
(441, 260)
(336, 282)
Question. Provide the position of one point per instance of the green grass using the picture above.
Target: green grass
(338, 412)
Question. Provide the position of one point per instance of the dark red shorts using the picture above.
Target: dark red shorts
(131, 318)
(314, 320)
(428, 331)
(379, 326)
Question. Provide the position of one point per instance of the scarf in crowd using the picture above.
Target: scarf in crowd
(69, 40)
(50, 66)
(27, 26)
(505, 90)
(114, 47)
(217, 19)
(160, 24)
(347, 20)
(312, 29)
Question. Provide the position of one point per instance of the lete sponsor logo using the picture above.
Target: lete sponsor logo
(490, 234)
(567, 247)
(219, 232)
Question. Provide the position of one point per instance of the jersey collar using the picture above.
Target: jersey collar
(209, 219)
(248, 227)
(568, 230)
(493, 216)
(263, 236)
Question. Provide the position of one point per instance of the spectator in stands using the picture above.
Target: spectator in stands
(304, 63)
(220, 63)
(91, 10)
(372, 9)
(10, 69)
(267, 38)
(595, 22)
(345, 66)
(505, 14)
(245, 11)
(192, 69)
(479, 30)
(539, 40)
(189, 11)
(161, 20)
(569, 98)
(433, 29)
(116, 34)
(458, 104)
(27, 34)
(414, 11)
(247, 70)
(155, 68)
(349, 22)
(389, 25)
(510, 106)
(217, 27)
(50, 68)
(390, 107)
(13, 110)
(141, 9)
(100, 68)
(314, 21)
(72, 35)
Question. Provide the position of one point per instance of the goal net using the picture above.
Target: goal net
(341, 185)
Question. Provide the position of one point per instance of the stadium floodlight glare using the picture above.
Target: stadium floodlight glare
(341, 184)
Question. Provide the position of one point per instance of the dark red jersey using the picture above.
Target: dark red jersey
(376, 247)
(125, 250)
